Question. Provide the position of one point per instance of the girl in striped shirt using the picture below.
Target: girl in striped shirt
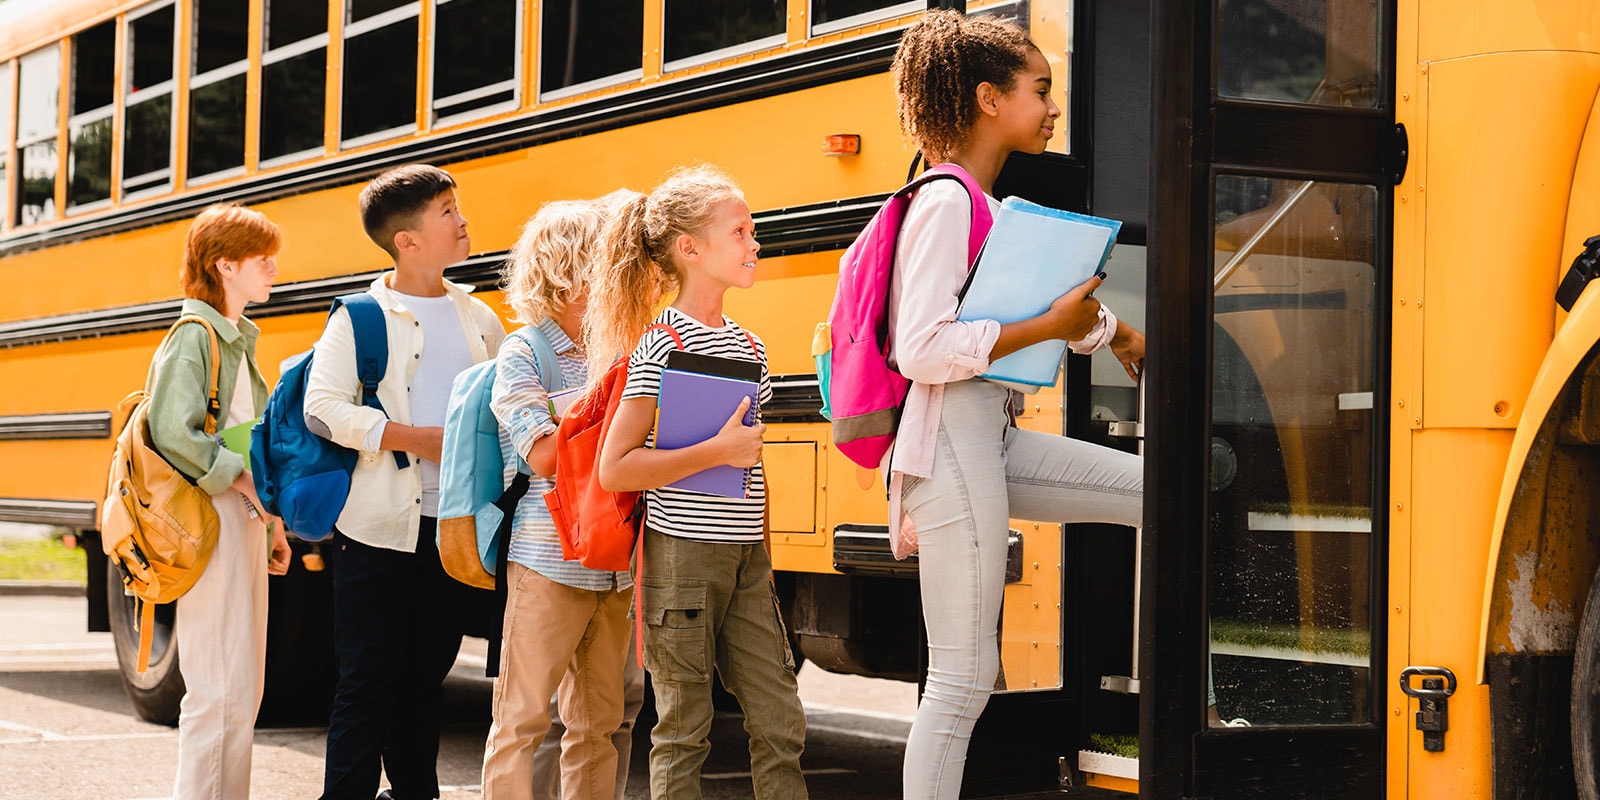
(706, 581)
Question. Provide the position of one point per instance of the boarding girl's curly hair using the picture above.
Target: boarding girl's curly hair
(937, 69)
(635, 269)
(550, 263)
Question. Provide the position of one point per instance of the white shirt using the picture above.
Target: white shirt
(385, 504)
(444, 355)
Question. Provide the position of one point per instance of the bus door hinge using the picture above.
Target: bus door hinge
(1433, 702)
(1396, 154)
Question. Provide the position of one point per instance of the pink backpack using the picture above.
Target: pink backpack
(862, 394)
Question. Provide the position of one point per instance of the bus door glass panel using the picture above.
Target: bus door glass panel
(582, 45)
(1292, 484)
(1323, 52)
(379, 97)
(294, 85)
(5, 138)
(94, 70)
(702, 31)
(1032, 652)
(217, 89)
(147, 122)
(38, 98)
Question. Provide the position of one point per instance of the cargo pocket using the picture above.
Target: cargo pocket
(677, 637)
(783, 634)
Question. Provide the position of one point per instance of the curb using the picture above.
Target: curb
(41, 589)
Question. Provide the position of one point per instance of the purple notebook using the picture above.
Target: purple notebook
(694, 406)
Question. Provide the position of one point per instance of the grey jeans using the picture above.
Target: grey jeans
(984, 474)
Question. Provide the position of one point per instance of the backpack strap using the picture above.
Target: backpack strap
(982, 218)
(213, 406)
(372, 350)
(544, 357)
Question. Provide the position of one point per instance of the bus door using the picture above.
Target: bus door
(1273, 155)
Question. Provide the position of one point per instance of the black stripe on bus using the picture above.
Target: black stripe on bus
(855, 58)
(80, 425)
(81, 514)
(784, 231)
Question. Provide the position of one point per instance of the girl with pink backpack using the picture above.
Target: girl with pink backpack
(972, 92)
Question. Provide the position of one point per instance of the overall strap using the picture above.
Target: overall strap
(371, 335)
(982, 218)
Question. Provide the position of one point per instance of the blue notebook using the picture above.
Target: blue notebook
(1033, 255)
(693, 407)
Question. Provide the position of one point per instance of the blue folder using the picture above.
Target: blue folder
(1033, 255)
(693, 407)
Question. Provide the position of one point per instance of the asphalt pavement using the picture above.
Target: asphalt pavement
(68, 732)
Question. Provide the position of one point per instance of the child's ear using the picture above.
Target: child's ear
(685, 246)
(987, 96)
(404, 241)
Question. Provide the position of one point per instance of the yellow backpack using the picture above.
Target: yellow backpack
(158, 527)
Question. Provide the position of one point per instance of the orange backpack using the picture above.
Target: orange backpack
(598, 528)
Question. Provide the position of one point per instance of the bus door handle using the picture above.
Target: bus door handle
(1433, 702)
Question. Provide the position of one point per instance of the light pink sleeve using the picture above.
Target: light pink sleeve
(927, 343)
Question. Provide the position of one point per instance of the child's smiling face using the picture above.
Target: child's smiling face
(1027, 113)
(440, 232)
(727, 248)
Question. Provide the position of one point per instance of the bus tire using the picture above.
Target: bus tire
(1586, 697)
(156, 693)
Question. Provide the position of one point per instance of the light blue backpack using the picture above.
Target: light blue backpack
(478, 490)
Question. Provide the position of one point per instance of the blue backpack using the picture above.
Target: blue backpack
(299, 475)
(478, 490)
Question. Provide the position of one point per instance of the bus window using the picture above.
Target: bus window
(475, 56)
(828, 16)
(38, 99)
(379, 96)
(89, 128)
(1286, 50)
(5, 135)
(1295, 366)
(147, 124)
(217, 87)
(702, 31)
(583, 45)
(294, 84)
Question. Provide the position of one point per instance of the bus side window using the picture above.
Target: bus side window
(475, 57)
(699, 32)
(89, 127)
(581, 45)
(216, 88)
(147, 123)
(5, 139)
(828, 16)
(39, 97)
(379, 97)
(294, 69)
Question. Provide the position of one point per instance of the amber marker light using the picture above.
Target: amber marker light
(841, 144)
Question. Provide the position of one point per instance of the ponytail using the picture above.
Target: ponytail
(636, 269)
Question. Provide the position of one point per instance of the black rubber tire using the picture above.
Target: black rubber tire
(1586, 698)
(157, 693)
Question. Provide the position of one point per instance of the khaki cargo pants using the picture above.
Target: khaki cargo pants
(711, 605)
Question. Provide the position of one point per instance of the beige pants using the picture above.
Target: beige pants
(222, 655)
(557, 638)
(547, 760)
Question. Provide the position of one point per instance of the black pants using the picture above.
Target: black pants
(397, 628)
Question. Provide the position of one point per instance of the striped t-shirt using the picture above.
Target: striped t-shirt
(694, 515)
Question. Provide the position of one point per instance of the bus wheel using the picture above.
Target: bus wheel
(157, 692)
(1586, 697)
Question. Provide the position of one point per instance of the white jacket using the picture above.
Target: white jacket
(385, 504)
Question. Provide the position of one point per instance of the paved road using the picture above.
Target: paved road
(67, 731)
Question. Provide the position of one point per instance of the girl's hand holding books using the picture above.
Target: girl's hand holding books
(740, 444)
(1075, 313)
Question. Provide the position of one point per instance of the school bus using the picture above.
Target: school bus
(1368, 559)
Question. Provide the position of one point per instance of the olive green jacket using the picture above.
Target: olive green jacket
(181, 385)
